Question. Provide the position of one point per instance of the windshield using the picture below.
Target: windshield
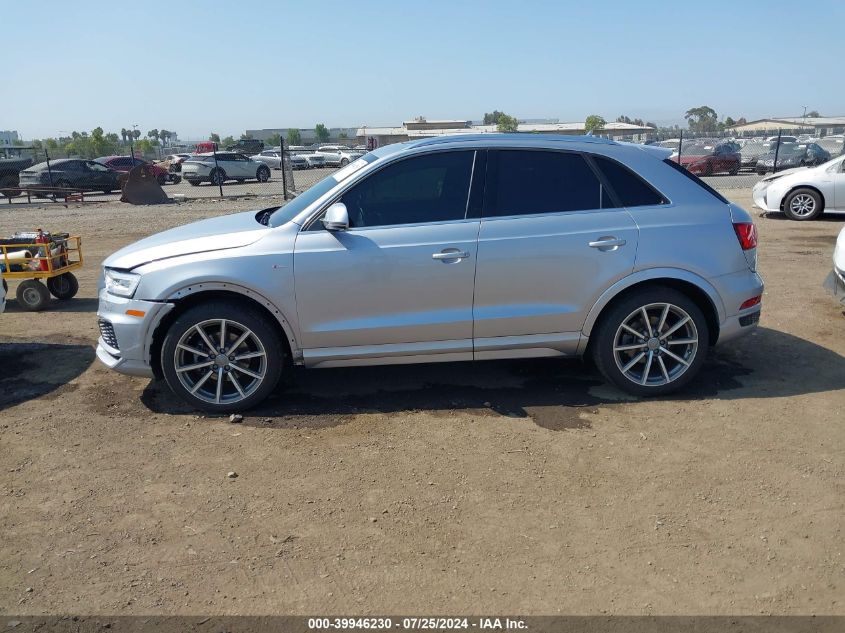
(288, 212)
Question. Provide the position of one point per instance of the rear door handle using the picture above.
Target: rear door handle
(607, 243)
(450, 253)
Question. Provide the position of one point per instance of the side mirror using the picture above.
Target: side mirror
(336, 218)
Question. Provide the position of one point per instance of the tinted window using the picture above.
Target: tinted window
(695, 179)
(431, 188)
(542, 182)
(630, 189)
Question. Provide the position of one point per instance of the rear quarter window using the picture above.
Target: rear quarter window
(630, 189)
(696, 180)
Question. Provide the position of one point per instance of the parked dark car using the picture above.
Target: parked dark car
(125, 163)
(706, 159)
(792, 155)
(248, 146)
(10, 169)
(751, 152)
(70, 173)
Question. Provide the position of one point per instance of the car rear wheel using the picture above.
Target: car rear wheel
(222, 357)
(803, 204)
(651, 343)
(262, 174)
(217, 176)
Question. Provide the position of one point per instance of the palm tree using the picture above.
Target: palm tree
(164, 135)
(123, 134)
(153, 134)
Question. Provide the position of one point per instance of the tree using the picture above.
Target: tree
(164, 135)
(741, 121)
(507, 123)
(274, 139)
(124, 134)
(594, 123)
(229, 140)
(814, 114)
(322, 132)
(294, 137)
(245, 137)
(153, 134)
(702, 119)
(214, 138)
(623, 119)
(136, 134)
(729, 122)
(342, 136)
(492, 118)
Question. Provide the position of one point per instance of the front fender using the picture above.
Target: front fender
(652, 274)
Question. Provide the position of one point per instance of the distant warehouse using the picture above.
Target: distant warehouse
(815, 126)
(420, 127)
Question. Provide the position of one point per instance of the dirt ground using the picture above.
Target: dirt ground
(509, 487)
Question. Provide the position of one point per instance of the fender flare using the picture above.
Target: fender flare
(218, 286)
(652, 274)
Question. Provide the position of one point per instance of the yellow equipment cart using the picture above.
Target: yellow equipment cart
(33, 257)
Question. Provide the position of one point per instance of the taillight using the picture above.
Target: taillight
(746, 233)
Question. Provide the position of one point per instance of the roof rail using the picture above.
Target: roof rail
(493, 136)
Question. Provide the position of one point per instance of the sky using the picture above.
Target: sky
(225, 66)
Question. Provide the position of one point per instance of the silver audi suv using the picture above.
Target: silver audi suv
(446, 249)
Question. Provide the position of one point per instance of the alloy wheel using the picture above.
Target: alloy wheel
(655, 344)
(802, 205)
(220, 361)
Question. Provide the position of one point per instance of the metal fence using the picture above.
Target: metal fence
(728, 162)
(249, 168)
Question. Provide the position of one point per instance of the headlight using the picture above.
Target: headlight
(119, 283)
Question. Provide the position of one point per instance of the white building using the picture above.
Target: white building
(9, 138)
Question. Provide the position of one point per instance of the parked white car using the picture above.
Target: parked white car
(273, 159)
(803, 193)
(227, 166)
(835, 282)
(338, 155)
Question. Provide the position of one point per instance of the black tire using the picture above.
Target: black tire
(796, 205)
(344, 162)
(237, 317)
(262, 174)
(217, 176)
(32, 295)
(603, 340)
(161, 179)
(62, 184)
(175, 179)
(63, 286)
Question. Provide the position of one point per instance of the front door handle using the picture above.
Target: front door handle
(607, 243)
(450, 254)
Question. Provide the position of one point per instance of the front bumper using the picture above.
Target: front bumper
(128, 350)
(758, 193)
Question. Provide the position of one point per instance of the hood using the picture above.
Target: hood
(781, 174)
(228, 231)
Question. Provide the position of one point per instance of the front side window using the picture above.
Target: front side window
(630, 189)
(431, 188)
(528, 182)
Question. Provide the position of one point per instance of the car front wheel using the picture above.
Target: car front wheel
(263, 174)
(222, 357)
(652, 342)
(803, 204)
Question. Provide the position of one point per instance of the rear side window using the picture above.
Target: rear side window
(630, 189)
(528, 182)
(696, 180)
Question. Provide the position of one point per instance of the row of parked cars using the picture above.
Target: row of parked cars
(705, 157)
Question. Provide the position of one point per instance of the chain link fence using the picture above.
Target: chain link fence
(728, 162)
(249, 168)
